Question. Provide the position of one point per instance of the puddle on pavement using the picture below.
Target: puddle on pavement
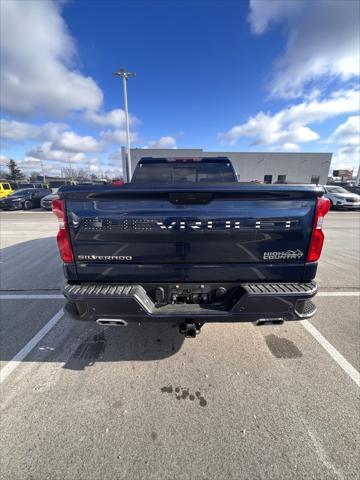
(182, 393)
(282, 347)
(87, 352)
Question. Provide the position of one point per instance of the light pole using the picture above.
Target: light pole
(124, 74)
(357, 181)
(71, 170)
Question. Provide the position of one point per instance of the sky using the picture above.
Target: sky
(258, 75)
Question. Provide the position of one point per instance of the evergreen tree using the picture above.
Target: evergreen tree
(15, 172)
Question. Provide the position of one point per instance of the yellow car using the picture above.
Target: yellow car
(5, 189)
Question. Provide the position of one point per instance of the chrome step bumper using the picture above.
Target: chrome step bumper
(287, 301)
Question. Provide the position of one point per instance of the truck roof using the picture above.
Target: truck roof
(150, 160)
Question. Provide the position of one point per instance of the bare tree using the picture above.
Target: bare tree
(69, 173)
(82, 174)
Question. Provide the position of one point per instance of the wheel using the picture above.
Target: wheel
(27, 205)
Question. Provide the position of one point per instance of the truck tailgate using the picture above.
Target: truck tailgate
(237, 233)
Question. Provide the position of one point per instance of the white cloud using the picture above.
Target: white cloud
(162, 142)
(348, 133)
(30, 164)
(72, 142)
(59, 146)
(118, 136)
(290, 125)
(347, 138)
(37, 54)
(112, 172)
(26, 165)
(57, 149)
(264, 13)
(347, 157)
(286, 147)
(110, 168)
(322, 41)
(12, 130)
(3, 160)
(115, 157)
(115, 118)
(94, 165)
(51, 153)
(56, 162)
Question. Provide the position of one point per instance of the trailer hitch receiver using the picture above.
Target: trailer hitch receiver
(190, 329)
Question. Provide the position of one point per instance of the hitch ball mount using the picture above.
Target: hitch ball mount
(190, 330)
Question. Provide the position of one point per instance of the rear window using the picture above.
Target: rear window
(337, 190)
(6, 186)
(169, 173)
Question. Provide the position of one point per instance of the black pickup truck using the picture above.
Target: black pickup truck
(186, 243)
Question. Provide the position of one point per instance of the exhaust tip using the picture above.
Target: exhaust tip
(269, 321)
(112, 322)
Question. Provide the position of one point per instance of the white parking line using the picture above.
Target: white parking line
(338, 294)
(339, 359)
(15, 361)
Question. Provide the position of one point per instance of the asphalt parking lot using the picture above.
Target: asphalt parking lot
(81, 401)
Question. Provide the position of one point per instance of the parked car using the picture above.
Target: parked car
(46, 202)
(341, 198)
(119, 182)
(185, 243)
(25, 199)
(5, 189)
(22, 185)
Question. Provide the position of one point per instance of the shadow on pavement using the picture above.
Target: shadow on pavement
(33, 267)
(136, 342)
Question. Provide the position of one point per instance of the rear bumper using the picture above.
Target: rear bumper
(10, 206)
(46, 205)
(255, 302)
(347, 206)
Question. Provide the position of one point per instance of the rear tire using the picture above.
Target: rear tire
(27, 205)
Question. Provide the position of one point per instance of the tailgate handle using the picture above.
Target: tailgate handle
(188, 198)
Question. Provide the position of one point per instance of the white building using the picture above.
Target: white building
(267, 167)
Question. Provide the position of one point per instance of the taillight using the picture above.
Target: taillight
(317, 236)
(63, 239)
